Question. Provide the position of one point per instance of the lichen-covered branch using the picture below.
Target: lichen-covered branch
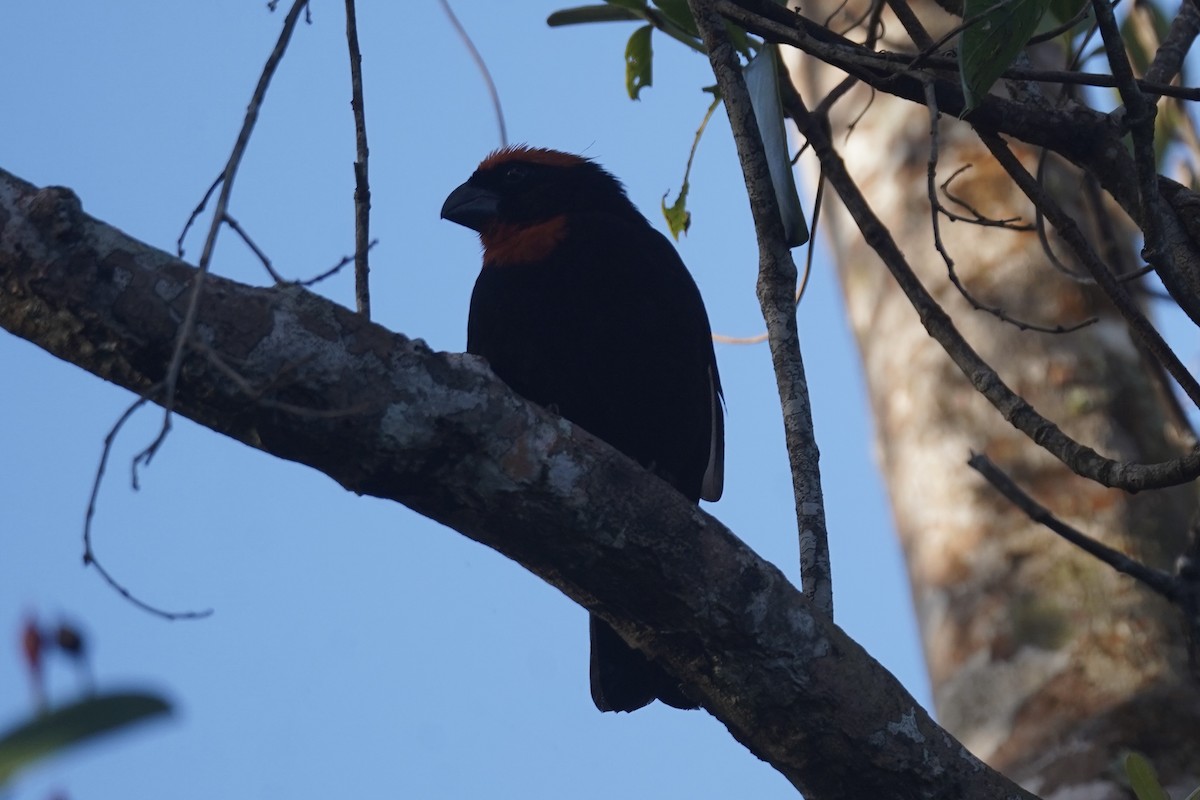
(384, 415)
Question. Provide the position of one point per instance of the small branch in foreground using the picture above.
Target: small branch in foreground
(196, 212)
(254, 248)
(1181, 589)
(1154, 579)
(935, 207)
(483, 70)
(362, 187)
(167, 386)
(227, 178)
(335, 269)
(976, 218)
(777, 278)
(89, 553)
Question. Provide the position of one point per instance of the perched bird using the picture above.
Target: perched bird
(582, 307)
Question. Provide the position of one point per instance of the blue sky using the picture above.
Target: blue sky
(357, 649)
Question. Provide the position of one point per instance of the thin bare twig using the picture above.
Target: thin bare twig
(89, 552)
(1154, 579)
(227, 178)
(976, 218)
(777, 279)
(362, 187)
(759, 338)
(483, 70)
(932, 48)
(935, 222)
(254, 248)
(1074, 238)
(167, 386)
(1058, 30)
(1039, 221)
(196, 212)
(335, 269)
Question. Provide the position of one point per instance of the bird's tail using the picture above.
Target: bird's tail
(625, 680)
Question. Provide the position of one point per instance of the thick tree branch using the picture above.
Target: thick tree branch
(439, 433)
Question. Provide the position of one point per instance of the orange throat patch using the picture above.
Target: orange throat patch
(504, 245)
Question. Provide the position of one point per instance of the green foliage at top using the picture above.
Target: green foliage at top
(674, 18)
(996, 32)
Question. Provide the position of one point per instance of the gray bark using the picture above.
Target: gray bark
(297, 376)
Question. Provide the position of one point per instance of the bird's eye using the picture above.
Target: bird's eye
(515, 174)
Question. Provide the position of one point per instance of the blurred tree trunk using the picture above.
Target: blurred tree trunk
(1044, 662)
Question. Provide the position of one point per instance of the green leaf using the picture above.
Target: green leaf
(639, 61)
(1143, 779)
(678, 12)
(679, 219)
(586, 14)
(998, 31)
(762, 79)
(73, 724)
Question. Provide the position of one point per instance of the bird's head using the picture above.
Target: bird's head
(520, 198)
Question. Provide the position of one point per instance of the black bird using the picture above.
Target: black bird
(584, 308)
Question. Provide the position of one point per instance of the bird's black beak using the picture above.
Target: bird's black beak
(471, 206)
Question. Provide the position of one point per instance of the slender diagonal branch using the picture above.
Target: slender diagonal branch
(362, 186)
(1154, 579)
(777, 277)
(477, 57)
(227, 177)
